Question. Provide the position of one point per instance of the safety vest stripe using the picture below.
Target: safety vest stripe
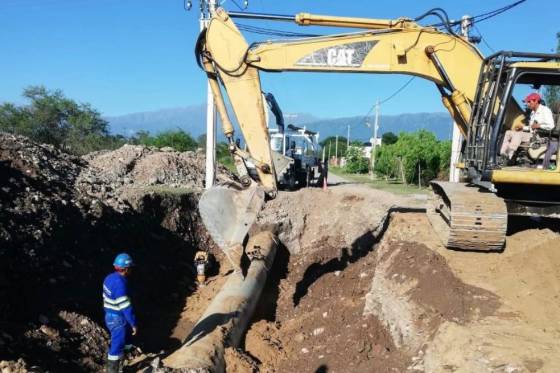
(111, 307)
(115, 301)
(118, 307)
(114, 357)
(124, 305)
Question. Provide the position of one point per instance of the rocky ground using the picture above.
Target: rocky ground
(360, 282)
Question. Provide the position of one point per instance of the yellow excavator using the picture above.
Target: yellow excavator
(481, 94)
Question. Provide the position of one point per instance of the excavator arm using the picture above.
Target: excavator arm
(389, 46)
(399, 46)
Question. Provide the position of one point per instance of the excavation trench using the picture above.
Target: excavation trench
(362, 296)
(63, 219)
(337, 295)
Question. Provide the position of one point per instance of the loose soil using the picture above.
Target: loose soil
(400, 301)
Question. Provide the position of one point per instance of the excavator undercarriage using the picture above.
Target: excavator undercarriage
(467, 218)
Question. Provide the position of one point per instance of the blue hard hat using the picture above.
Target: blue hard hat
(123, 261)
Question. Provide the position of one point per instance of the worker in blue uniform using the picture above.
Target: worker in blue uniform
(119, 314)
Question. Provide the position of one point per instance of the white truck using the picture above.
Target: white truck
(301, 149)
(295, 152)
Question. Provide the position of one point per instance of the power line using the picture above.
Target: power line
(484, 39)
(389, 97)
(496, 12)
(483, 16)
(238, 6)
(272, 32)
(397, 91)
(440, 13)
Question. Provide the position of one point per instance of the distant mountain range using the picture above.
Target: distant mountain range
(192, 119)
(438, 123)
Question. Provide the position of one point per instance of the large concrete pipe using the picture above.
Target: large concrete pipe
(227, 317)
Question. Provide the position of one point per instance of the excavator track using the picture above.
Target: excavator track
(466, 218)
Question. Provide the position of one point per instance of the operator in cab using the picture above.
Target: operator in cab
(540, 118)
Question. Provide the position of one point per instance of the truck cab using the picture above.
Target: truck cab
(300, 151)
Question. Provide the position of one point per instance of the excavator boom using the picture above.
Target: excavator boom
(391, 46)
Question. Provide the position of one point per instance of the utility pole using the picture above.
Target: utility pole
(210, 107)
(336, 150)
(457, 137)
(348, 138)
(375, 127)
(207, 8)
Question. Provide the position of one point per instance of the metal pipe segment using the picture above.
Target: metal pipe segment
(224, 322)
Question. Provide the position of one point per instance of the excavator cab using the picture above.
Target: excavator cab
(473, 215)
(505, 79)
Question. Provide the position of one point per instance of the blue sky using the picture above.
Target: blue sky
(126, 56)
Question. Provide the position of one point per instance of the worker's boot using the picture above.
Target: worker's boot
(113, 366)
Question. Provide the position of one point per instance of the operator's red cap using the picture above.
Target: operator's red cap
(533, 97)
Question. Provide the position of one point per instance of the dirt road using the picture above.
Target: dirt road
(334, 179)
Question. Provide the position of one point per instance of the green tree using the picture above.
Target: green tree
(356, 163)
(419, 154)
(389, 138)
(51, 117)
(176, 139)
(331, 142)
(201, 140)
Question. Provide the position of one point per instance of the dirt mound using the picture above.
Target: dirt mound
(319, 323)
(311, 316)
(522, 335)
(141, 166)
(414, 291)
(39, 187)
(310, 219)
(369, 311)
(82, 341)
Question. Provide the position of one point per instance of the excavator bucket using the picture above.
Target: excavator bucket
(228, 211)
